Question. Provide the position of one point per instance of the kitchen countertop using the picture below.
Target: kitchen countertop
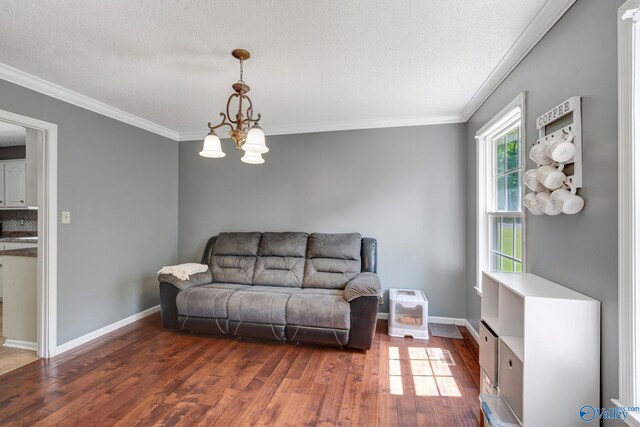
(26, 252)
(18, 237)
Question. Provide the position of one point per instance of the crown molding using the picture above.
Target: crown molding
(342, 125)
(545, 19)
(21, 78)
(548, 15)
(192, 136)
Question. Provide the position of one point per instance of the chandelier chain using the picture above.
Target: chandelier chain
(241, 71)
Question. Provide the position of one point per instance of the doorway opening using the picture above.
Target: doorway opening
(28, 239)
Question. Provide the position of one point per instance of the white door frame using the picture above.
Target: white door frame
(47, 230)
(628, 208)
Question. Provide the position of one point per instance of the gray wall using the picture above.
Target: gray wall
(577, 251)
(121, 185)
(403, 186)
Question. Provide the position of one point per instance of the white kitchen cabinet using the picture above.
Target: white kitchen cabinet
(15, 183)
(12, 245)
(19, 314)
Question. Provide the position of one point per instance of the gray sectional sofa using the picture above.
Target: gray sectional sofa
(295, 287)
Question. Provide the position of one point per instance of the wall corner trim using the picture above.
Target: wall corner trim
(69, 345)
(546, 18)
(29, 81)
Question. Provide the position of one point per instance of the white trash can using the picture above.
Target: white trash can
(408, 314)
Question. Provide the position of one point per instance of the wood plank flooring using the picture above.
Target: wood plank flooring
(143, 375)
(13, 358)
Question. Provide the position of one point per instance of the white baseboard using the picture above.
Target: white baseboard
(22, 345)
(69, 345)
(472, 331)
(433, 319)
(447, 321)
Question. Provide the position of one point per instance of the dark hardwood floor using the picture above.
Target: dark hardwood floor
(143, 375)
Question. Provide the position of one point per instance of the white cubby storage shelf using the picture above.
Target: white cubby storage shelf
(554, 333)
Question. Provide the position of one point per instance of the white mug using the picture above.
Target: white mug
(550, 177)
(543, 200)
(538, 155)
(529, 202)
(567, 202)
(531, 180)
(559, 149)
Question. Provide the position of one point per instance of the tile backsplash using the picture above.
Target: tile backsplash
(11, 220)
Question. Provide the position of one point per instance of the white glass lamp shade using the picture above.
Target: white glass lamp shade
(211, 147)
(255, 141)
(252, 158)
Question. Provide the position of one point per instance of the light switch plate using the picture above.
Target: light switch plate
(66, 217)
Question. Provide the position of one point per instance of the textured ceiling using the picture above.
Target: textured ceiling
(11, 135)
(315, 64)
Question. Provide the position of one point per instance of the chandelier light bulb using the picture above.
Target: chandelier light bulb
(255, 141)
(252, 158)
(211, 147)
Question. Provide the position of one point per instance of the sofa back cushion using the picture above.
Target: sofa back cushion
(332, 260)
(281, 259)
(233, 258)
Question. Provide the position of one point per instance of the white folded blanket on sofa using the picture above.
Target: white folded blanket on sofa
(183, 271)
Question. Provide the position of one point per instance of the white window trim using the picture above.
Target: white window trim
(514, 110)
(628, 209)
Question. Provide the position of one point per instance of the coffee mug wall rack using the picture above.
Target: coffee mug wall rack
(558, 156)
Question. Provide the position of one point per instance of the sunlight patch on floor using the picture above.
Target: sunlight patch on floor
(395, 371)
(430, 372)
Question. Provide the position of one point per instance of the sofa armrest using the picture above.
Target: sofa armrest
(194, 280)
(363, 285)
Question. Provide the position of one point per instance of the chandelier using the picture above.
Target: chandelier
(245, 130)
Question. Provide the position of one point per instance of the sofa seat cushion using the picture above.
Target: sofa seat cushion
(281, 259)
(321, 291)
(332, 260)
(233, 257)
(274, 289)
(258, 306)
(319, 310)
(207, 300)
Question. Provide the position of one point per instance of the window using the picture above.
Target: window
(628, 208)
(500, 164)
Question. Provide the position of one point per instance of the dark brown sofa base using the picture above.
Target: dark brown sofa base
(364, 316)
(257, 330)
(364, 311)
(168, 308)
(204, 325)
(310, 335)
